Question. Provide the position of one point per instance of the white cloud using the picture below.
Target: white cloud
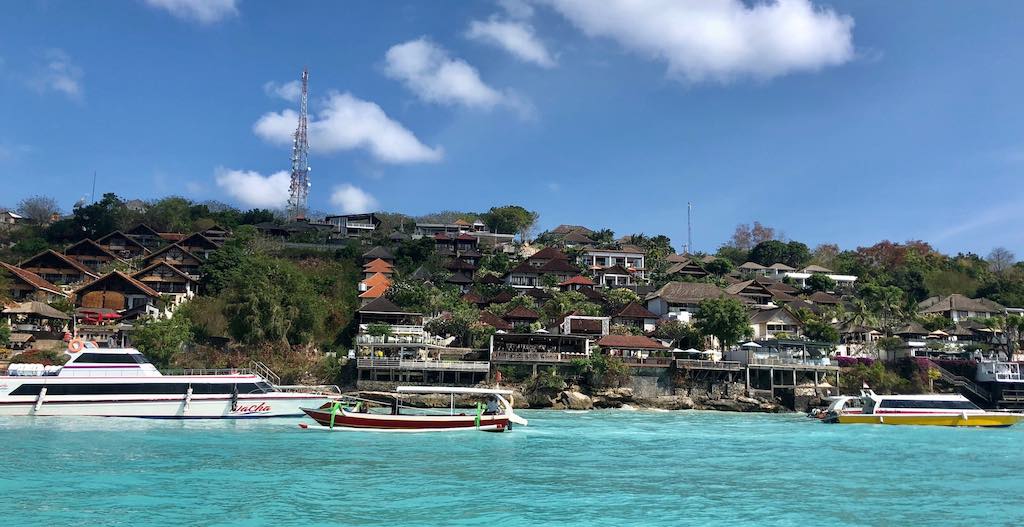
(289, 91)
(202, 11)
(59, 74)
(720, 40)
(517, 8)
(349, 123)
(253, 189)
(352, 200)
(516, 38)
(427, 70)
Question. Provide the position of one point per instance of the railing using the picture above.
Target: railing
(512, 356)
(422, 365)
(696, 364)
(263, 371)
(196, 372)
(325, 389)
(787, 361)
(650, 362)
(961, 382)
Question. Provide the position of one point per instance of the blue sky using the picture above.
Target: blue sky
(831, 121)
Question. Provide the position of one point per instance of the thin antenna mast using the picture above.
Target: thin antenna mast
(689, 228)
(93, 198)
(299, 191)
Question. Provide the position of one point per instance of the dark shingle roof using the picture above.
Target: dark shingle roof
(521, 312)
(688, 292)
(635, 310)
(378, 252)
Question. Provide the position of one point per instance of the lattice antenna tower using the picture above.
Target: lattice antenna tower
(298, 194)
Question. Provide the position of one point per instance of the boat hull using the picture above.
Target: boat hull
(246, 407)
(407, 423)
(989, 419)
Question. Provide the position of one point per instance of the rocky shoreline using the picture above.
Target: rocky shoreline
(572, 398)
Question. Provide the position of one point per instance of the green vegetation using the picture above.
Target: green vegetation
(725, 319)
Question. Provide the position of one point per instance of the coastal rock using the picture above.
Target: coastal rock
(613, 398)
(671, 402)
(572, 400)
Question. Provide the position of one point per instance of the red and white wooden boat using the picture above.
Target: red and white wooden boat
(335, 416)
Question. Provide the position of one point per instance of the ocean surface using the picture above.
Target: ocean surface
(567, 468)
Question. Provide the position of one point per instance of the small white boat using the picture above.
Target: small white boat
(932, 409)
(496, 416)
(122, 383)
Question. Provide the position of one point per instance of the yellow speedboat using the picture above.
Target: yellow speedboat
(935, 410)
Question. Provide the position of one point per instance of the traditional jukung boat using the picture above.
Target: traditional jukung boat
(494, 416)
(935, 410)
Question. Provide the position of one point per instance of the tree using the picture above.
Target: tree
(1000, 259)
(725, 319)
(619, 298)
(797, 254)
(38, 209)
(563, 302)
(769, 252)
(680, 334)
(5, 286)
(5, 334)
(719, 266)
(821, 282)
(161, 339)
(171, 214)
(887, 303)
(820, 330)
(511, 219)
(746, 236)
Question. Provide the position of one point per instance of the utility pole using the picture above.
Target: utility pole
(92, 199)
(298, 192)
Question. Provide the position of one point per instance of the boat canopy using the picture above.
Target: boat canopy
(450, 389)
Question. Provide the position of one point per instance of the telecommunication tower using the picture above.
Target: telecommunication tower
(299, 191)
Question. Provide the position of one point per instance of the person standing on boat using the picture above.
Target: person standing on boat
(492, 405)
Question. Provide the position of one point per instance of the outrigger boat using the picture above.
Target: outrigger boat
(496, 416)
(935, 410)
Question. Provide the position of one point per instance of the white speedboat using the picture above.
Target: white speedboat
(120, 382)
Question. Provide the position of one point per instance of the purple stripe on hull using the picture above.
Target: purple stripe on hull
(409, 422)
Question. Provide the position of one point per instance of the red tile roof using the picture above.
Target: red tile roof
(549, 253)
(630, 342)
(577, 280)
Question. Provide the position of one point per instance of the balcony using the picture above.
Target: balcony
(649, 362)
(534, 357)
(370, 363)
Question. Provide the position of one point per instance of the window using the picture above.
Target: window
(107, 358)
(926, 404)
(163, 388)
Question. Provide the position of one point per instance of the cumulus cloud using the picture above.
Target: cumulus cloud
(348, 123)
(202, 11)
(516, 38)
(720, 40)
(253, 189)
(59, 74)
(427, 70)
(517, 8)
(289, 91)
(352, 200)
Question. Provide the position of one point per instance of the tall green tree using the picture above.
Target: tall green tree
(160, 339)
(725, 319)
(511, 219)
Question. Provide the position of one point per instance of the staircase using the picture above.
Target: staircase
(970, 388)
(263, 371)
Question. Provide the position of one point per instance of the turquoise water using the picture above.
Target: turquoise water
(595, 468)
